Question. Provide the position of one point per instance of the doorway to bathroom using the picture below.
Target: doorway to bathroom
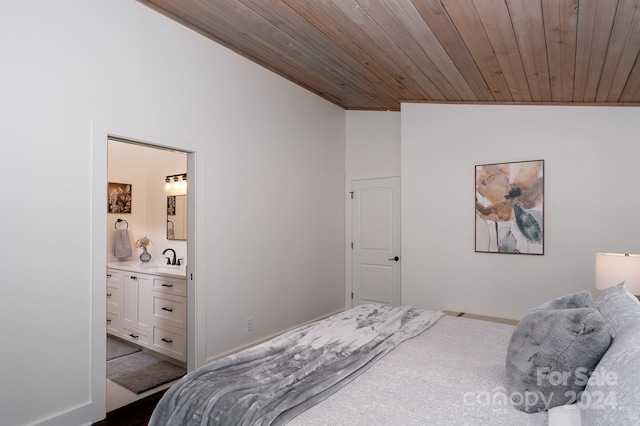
(147, 227)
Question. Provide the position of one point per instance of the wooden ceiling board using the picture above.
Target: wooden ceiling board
(434, 14)
(528, 25)
(497, 25)
(375, 58)
(375, 54)
(595, 23)
(631, 91)
(380, 81)
(622, 53)
(561, 27)
(417, 28)
(383, 42)
(466, 20)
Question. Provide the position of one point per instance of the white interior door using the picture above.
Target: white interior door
(375, 228)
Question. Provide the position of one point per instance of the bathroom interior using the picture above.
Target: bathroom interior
(146, 297)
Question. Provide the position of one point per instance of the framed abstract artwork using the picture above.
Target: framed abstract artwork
(119, 197)
(510, 207)
(171, 205)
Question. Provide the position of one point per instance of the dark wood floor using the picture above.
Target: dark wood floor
(136, 414)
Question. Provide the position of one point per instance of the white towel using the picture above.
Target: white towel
(122, 244)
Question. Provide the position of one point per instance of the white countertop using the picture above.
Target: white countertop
(149, 268)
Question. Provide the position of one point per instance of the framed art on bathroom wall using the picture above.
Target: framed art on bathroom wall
(171, 205)
(119, 197)
(509, 207)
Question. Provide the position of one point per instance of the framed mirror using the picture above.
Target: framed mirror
(177, 217)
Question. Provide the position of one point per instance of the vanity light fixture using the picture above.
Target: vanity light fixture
(178, 181)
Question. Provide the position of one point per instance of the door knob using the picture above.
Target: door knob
(395, 258)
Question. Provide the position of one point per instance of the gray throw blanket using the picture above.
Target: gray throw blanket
(273, 382)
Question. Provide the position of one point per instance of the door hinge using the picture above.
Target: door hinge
(351, 194)
(351, 246)
(351, 295)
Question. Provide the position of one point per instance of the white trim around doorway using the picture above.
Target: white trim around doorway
(196, 272)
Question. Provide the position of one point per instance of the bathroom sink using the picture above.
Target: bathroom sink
(151, 268)
(168, 266)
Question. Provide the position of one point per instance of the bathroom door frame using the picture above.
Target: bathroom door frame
(102, 130)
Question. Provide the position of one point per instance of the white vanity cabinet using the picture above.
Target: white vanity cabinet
(151, 311)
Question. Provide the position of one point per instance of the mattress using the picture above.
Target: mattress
(451, 374)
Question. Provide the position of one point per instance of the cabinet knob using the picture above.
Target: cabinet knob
(164, 339)
(168, 309)
(108, 295)
(133, 336)
(167, 285)
(108, 321)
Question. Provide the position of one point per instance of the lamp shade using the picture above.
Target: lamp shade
(614, 268)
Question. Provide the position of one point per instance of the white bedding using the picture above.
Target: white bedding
(452, 374)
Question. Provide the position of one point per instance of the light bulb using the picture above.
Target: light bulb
(167, 184)
(176, 184)
(184, 182)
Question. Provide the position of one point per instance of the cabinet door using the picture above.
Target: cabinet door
(129, 300)
(113, 323)
(114, 298)
(136, 302)
(145, 303)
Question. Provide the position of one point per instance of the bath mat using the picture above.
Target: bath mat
(142, 371)
(117, 349)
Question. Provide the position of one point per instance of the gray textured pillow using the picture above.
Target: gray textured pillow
(618, 307)
(611, 396)
(553, 350)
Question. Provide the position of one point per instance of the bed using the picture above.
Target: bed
(379, 365)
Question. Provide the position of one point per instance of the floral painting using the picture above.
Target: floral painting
(171, 205)
(119, 196)
(510, 207)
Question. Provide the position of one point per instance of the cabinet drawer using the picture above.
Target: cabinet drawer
(171, 343)
(114, 326)
(135, 336)
(114, 276)
(114, 297)
(169, 309)
(171, 286)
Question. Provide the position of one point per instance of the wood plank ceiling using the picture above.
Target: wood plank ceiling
(374, 54)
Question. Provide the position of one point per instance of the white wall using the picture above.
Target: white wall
(373, 144)
(591, 204)
(272, 178)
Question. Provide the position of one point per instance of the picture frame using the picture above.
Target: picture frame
(171, 205)
(509, 207)
(119, 197)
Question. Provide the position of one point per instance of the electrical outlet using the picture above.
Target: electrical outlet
(249, 324)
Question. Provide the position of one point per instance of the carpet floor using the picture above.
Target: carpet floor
(140, 371)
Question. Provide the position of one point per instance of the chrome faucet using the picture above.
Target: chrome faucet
(169, 261)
